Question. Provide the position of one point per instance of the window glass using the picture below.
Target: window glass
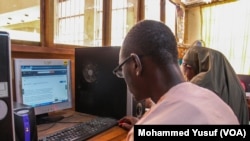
(170, 15)
(78, 22)
(124, 16)
(152, 9)
(21, 19)
(229, 35)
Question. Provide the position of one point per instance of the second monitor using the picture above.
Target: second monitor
(98, 90)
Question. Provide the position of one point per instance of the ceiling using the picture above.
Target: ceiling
(20, 16)
(188, 3)
(18, 11)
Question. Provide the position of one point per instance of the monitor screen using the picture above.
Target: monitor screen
(43, 84)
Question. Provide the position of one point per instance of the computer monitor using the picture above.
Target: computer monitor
(98, 91)
(44, 84)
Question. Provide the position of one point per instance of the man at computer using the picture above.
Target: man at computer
(149, 64)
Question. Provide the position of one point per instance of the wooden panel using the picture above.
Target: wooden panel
(106, 23)
(181, 51)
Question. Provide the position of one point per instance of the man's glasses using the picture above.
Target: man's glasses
(118, 70)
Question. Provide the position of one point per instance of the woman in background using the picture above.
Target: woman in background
(210, 69)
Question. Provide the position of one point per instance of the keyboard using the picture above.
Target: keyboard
(82, 131)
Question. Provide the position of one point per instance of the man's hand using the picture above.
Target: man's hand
(127, 122)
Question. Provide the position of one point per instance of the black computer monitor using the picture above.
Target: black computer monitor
(97, 90)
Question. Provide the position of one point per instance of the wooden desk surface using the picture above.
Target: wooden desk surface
(71, 118)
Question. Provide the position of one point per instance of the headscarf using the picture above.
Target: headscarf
(214, 72)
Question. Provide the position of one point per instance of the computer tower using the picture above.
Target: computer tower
(97, 90)
(6, 98)
(135, 108)
(25, 122)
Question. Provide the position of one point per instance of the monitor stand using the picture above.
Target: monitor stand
(46, 118)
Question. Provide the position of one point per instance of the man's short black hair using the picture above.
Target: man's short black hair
(154, 38)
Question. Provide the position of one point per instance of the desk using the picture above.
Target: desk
(71, 118)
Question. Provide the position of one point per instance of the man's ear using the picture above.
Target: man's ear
(138, 65)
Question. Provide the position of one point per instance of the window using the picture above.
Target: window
(124, 16)
(229, 34)
(170, 15)
(21, 19)
(152, 9)
(78, 22)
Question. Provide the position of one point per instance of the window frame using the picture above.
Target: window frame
(47, 24)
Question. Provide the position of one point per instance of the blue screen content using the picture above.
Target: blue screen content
(44, 85)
